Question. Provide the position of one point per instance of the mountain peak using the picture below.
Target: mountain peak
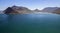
(37, 10)
(17, 9)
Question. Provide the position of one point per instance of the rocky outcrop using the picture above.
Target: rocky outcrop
(17, 10)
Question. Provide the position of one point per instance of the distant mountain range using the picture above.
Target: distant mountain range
(1, 12)
(57, 11)
(50, 9)
(37, 10)
(24, 10)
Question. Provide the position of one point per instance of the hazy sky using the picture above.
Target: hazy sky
(31, 4)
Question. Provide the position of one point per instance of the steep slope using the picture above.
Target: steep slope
(17, 10)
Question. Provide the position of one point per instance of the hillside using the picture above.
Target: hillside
(24, 10)
(57, 11)
(49, 9)
(17, 10)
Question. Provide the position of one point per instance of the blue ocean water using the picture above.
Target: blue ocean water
(29, 23)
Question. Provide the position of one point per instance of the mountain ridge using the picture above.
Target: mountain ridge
(25, 10)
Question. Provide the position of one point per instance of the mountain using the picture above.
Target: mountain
(57, 11)
(1, 12)
(49, 9)
(24, 10)
(37, 10)
(17, 10)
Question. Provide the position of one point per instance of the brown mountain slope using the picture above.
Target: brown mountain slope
(17, 10)
(57, 11)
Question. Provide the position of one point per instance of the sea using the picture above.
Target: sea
(30, 23)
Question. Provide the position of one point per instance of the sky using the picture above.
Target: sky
(31, 4)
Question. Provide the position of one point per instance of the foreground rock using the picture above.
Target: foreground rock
(17, 10)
